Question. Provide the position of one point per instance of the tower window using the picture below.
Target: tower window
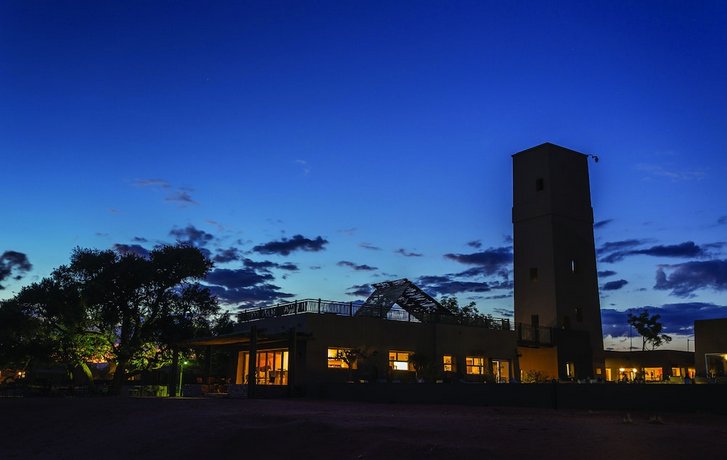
(573, 266)
(539, 184)
(533, 274)
(579, 314)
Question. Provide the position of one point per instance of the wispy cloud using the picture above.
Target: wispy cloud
(369, 246)
(681, 250)
(180, 196)
(357, 267)
(406, 253)
(677, 318)
(602, 223)
(285, 246)
(304, 166)
(673, 174)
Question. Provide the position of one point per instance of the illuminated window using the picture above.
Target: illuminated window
(501, 370)
(676, 372)
(691, 372)
(272, 367)
(475, 365)
(338, 357)
(570, 370)
(449, 363)
(399, 360)
(653, 374)
(609, 375)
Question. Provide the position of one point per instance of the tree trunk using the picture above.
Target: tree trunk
(89, 375)
(119, 378)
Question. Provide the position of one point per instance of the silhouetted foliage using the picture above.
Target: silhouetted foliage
(649, 328)
(122, 308)
(468, 314)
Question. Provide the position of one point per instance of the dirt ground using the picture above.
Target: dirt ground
(111, 428)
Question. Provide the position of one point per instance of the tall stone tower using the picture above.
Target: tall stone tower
(556, 284)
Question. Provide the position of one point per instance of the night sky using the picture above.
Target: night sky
(313, 148)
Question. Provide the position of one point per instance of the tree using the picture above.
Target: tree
(649, 328)
(468, 314)
(125, 308)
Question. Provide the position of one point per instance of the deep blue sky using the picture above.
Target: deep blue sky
(316, 147)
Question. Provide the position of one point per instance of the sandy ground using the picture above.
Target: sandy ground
(111, 428)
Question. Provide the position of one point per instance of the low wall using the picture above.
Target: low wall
(708, 398)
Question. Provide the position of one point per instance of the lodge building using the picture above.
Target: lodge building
(401, 334)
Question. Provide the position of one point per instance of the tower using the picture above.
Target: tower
(556, 285)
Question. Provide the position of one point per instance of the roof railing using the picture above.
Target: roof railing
(319, 306)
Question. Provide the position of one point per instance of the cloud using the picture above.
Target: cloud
(13, 265)
(602, 223)
(447, 285)
(135, 249)
(686, 249)
(267, 265)
(180, 197)
(287, 245)
(161, 183)
(606, 273)
(369, 246)
(722, 220)
(304, 166)
(504, 312)
(614, 285)
(406, 253)
(477, 244)
(613, 246)
(139, 239)
(490, 261)
(688, 277)
(192, 235)
(348, 231)
(249, 297)
(237, 278)
(675, 175)
(357, 267)
(359, 290)
(226, 255)
(677, 318)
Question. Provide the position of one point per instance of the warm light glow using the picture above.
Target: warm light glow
(448, 362)
(334, 358)
(621, 369)
(475, 365)
(399, 360)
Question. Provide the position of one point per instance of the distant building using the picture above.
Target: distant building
(649, 366)
(710, 346)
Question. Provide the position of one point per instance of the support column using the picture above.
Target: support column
(292, 358)
(252, 366)
(174, 377)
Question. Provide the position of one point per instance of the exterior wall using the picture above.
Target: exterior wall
(710, 336)
(666, 360)
(543, 361)
(377, 337)
(553, 233)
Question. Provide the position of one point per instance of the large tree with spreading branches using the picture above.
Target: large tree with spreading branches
(121, 308)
